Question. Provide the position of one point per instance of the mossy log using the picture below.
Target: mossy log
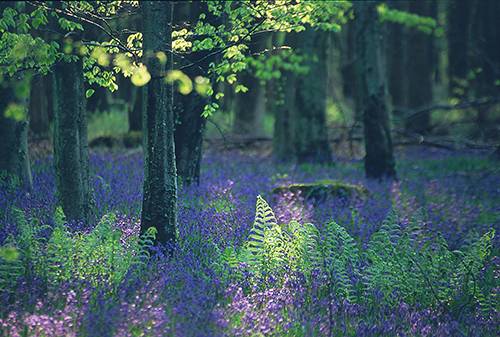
(323, 189)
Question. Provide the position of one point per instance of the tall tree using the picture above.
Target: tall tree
(159, 206)
(188, 109)
(458, 32)
(249, 107)
(420, 66)
(311, 135)
(14, 158)
(370, 80)
(39, 106)
(71, 156)
(397, 58)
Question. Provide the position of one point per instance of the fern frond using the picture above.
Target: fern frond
(264, 220)
(340, 256)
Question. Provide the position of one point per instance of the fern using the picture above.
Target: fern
(340, 256)
(11, 267)
(264, 221)
(303, 248)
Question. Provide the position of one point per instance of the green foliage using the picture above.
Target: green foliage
(425, 24)
(97, 257)
(100, 257)
(340, 255)
(407, 263)
(404, 262)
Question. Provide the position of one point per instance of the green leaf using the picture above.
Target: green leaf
(89, 93)
(141, 76)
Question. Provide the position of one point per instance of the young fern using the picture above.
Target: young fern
(264, 221)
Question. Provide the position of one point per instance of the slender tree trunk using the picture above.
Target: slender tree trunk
(379, 160)
(70, 142)
(159, 207)
(397, 58)
(459, 19)
(39, 106)
(14, 159)
(188, 109)
(189, 136)
(250, 106)
(420, 68)
(486, 57)
(280, 100)
(311, 135)
(281, 95)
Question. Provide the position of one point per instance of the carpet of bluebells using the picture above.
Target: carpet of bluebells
(186, 293)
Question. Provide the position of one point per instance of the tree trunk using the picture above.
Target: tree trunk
(159, 207)
(379, 159)
(14, 159)
(280, 97)
(281, 94)
(135, 110)
(39, 106)
(70, 142)
(311, 135)
(397, 58)
(420, 68)
(484, 41)
(189, 136)
(250, 106)
(458, 46)
(188, 109)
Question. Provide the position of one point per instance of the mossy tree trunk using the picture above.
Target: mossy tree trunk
(14, 158)
(370, 79)
(71, 156)
(311, 134)
(159, 206)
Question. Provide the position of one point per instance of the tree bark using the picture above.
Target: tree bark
(421, 68)
(397, 58)
(188, 109)
(135, 110)
(311, 135)
(458, 34)
(159, 207)
(70, 142)
(379, 159)
(249, 114)
(250, 106)
(280, 99)
(14, 159)
(39, 106)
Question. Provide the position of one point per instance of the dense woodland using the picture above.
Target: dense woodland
(249, 168)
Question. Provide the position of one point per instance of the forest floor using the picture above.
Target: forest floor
(456, 194)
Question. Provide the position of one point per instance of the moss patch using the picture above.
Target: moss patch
(320, 190)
